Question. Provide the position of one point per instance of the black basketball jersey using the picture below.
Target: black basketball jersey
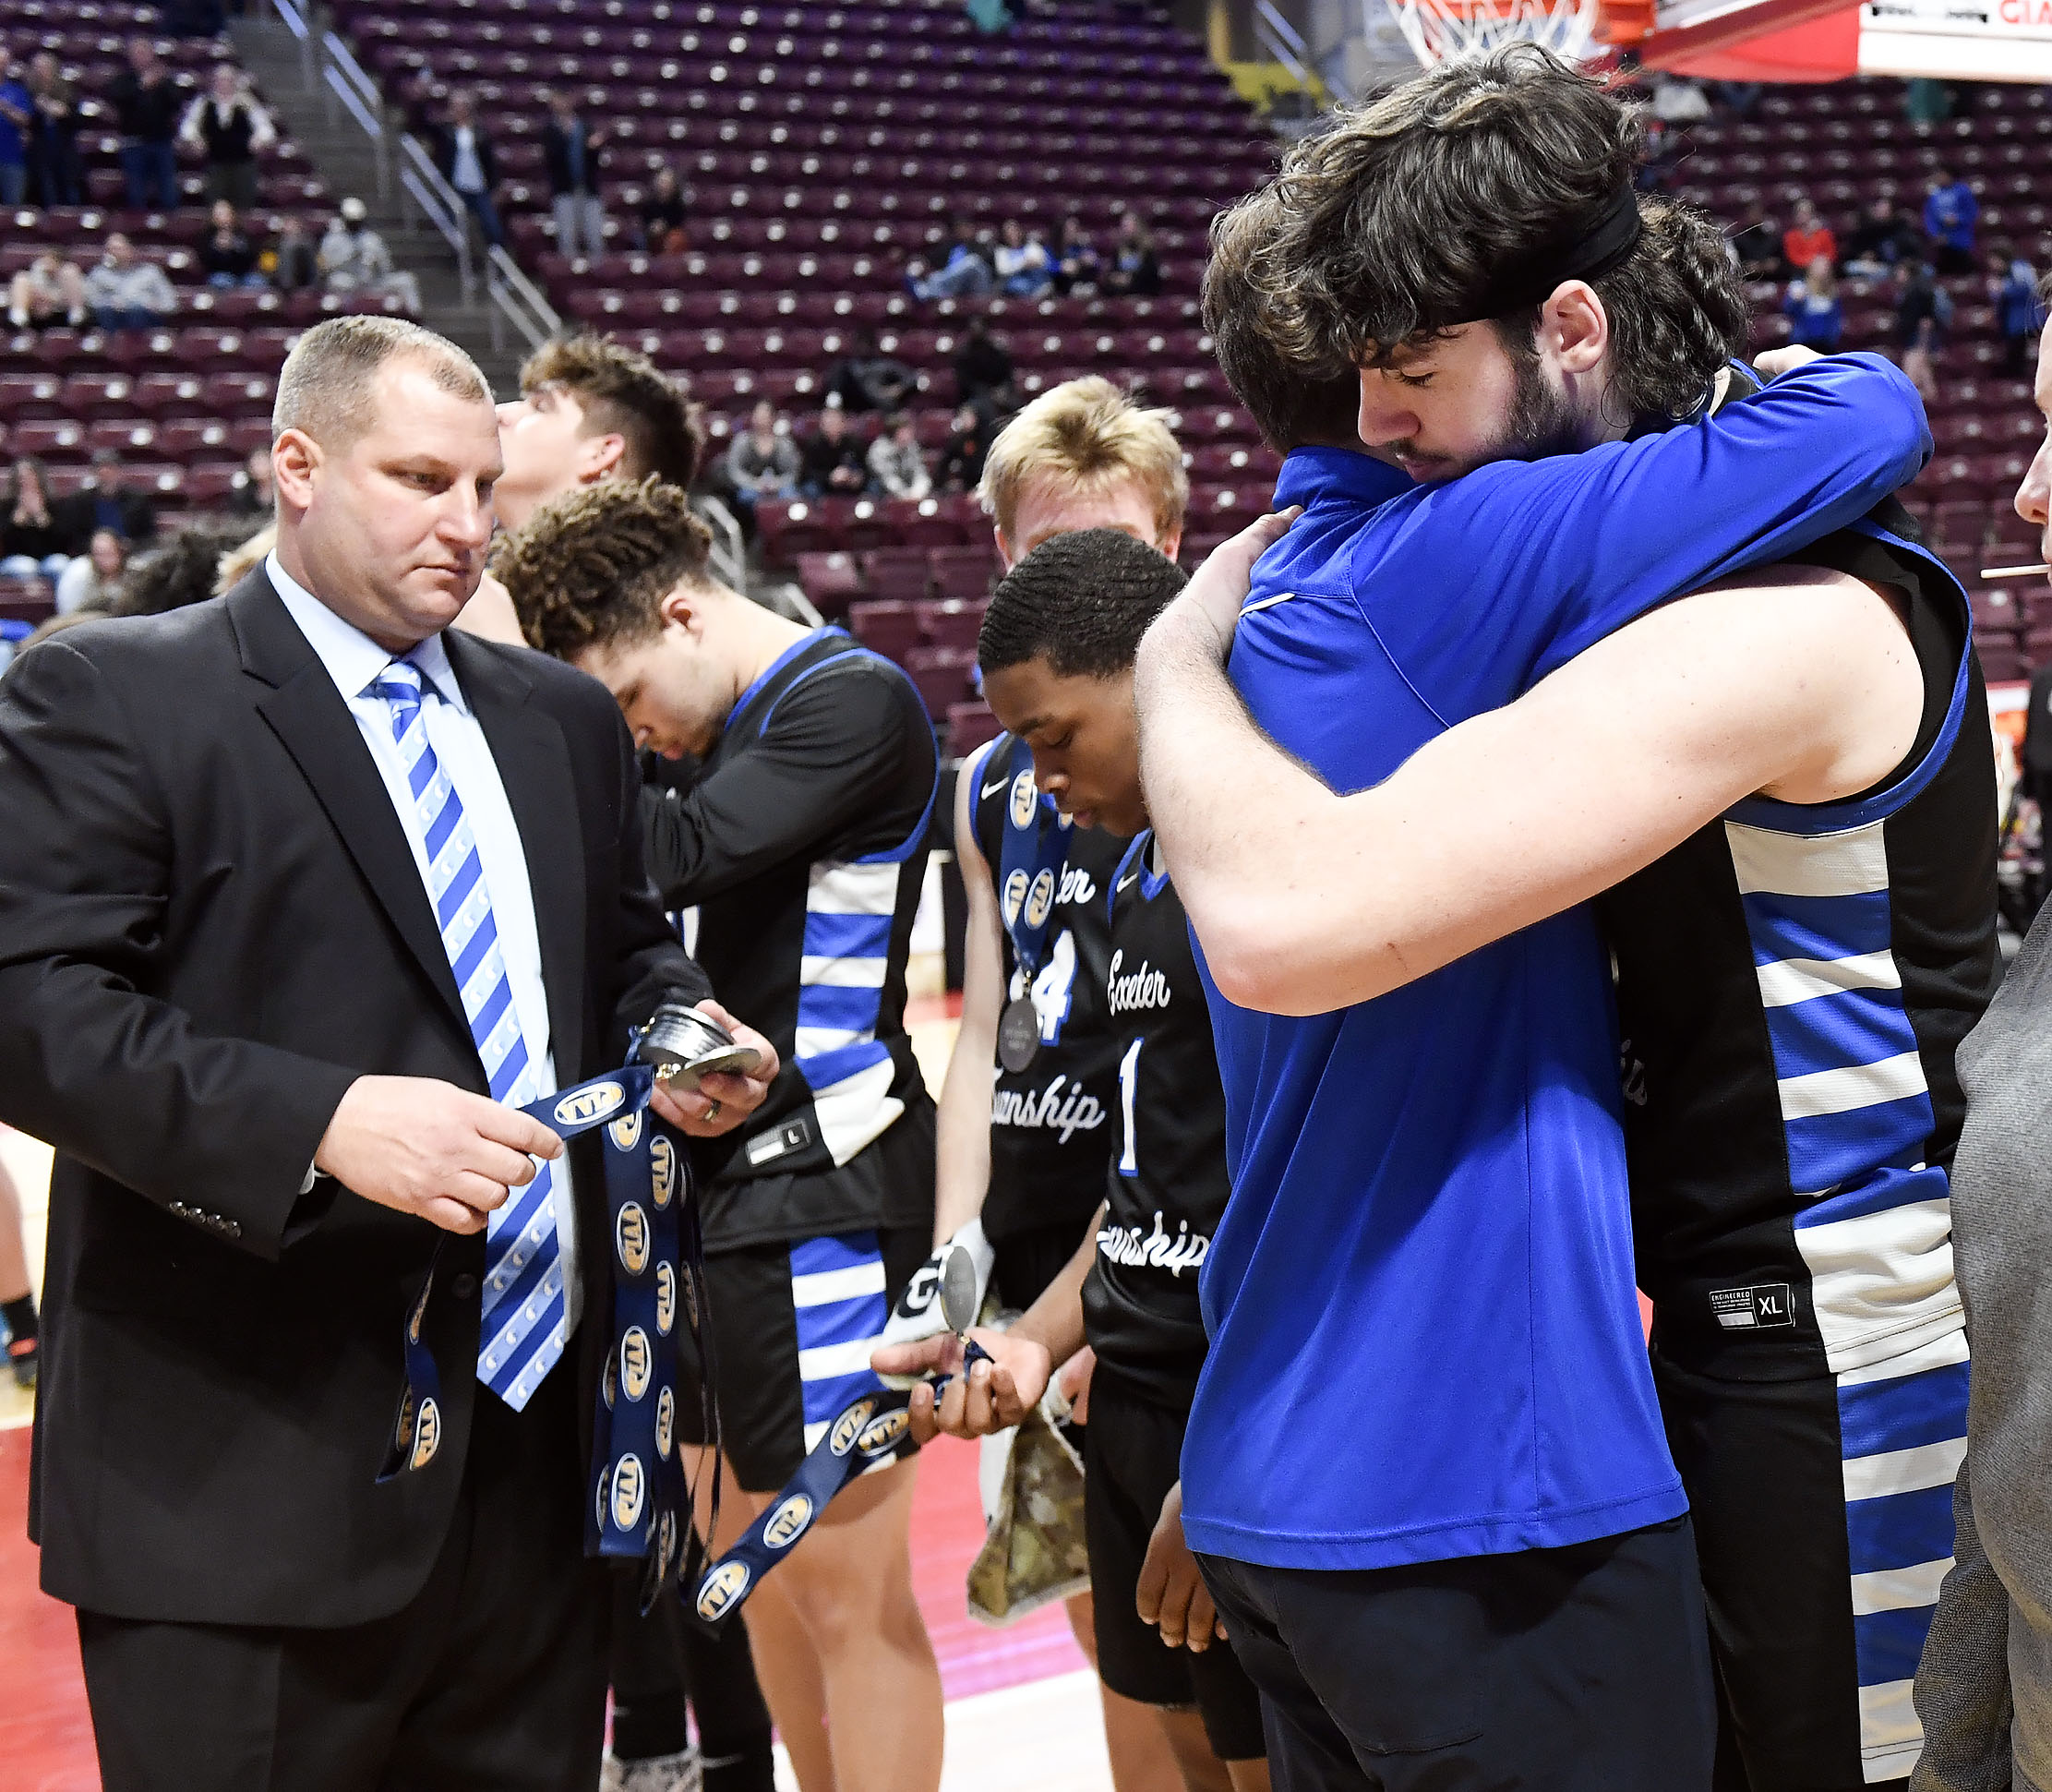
(1166, 1188)
(1051, 1126)
(802, 844)
(1792, 983)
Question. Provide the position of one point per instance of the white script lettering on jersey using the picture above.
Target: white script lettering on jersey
(1156, 1250)
(1076, 1111)
(1144, 988)
(1077, 886)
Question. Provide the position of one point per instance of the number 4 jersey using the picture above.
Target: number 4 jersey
(1050, 1122)
(1165, 1190)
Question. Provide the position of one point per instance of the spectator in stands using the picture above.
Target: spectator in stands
(983, 371)
(897, 469)
(1024, 267)
(50, 290)
(127, 291)
(867, 378)
(146, 102)
(830, 463)
(663, 215)
(185, 570)
(1808, 238)
(968, 448)
(571, 150)
(18, 111)
(1664, 146)
(464, 152)
(1883, 238)
(92, 581)
(295, 262)
(1676, 101)
(761, 461)
(31, 543)
(2019, 310)
(962, 272)
(1135, 270)
(227, 256)
(257, 496)
(1926, 102)
(1077, 264)
(54, 135)
(354, 258)
(1757, 247)
(227, 125)
(1816, 319)
(1950, 214)
(1923, 320)
(105, 501)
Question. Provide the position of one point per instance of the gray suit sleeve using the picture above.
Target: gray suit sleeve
(1962, 1687)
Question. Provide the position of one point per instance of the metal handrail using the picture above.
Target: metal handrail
(440, 204)
(515, 296)
(346, 80)
(1285, 44)
(295, 20)
(728, 553)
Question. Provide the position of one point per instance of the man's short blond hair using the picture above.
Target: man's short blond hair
(324, 388)
(1085, 436)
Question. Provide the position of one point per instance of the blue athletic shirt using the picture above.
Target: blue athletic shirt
(1425, 1339)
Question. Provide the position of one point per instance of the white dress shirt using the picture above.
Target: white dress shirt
(355, 662)
(466, 170)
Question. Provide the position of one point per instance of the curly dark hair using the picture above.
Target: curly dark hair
(591, 568)
(1396, 220)
(184, 569)
(1291, 403)
(622, 392)
(1081, 601)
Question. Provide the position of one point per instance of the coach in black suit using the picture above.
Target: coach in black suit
(220, 974)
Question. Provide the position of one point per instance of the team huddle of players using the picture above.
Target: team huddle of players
(1455, 1528)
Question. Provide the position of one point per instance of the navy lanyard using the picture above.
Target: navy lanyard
(1035, 850)
(641, 1496)
(870, 1429)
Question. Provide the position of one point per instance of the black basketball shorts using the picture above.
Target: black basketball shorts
(792, 1326)
(1130, 1459)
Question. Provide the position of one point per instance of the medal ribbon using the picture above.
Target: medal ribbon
(1035, 850)
(641, 1499)
(871, 1429)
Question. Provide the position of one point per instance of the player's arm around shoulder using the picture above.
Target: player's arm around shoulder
(1793, 682)
(962, 1144)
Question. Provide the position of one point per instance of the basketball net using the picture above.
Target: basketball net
(1446, 30)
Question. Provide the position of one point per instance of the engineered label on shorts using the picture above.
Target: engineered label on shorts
(1749, 1309)
(793, 1135)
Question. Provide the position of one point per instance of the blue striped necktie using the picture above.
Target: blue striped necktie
(524, 1313)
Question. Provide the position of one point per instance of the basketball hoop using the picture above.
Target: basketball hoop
(1448, 31)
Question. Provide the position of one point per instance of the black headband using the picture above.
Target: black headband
(1610, 235)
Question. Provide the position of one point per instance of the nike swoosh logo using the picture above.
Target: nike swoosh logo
(992, 789)
(1134, 879)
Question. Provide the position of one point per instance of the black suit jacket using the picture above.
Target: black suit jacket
(209, 925)
(445, 154)
(555, 157)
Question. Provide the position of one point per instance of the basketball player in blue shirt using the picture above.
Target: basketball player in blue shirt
(1426, 1246)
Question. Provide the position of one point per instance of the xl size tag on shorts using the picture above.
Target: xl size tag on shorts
(1751, 1309)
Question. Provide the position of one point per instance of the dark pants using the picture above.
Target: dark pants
(233, 181)
(662, 1657)
(53, 170)
(124, 317)
(493, 1678)
(152, 173)
(486, 214)
(1550, 1670)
